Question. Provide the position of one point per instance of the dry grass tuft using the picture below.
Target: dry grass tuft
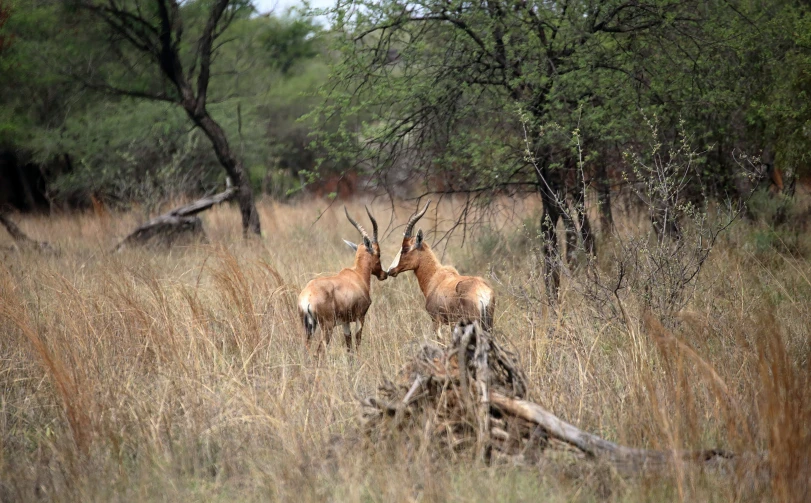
(182, 375)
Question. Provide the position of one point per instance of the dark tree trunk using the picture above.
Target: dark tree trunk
(550, 187)
(551, 253)
(588, 235)
(158, 34)
(572, 241)
(26, 187)
(233, 166)
(553, 196)
(583, 229)
(604, 199)
(576, 233)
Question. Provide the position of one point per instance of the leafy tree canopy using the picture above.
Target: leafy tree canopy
(59, 112)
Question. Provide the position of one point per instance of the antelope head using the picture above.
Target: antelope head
(410, 254)
(369, 254)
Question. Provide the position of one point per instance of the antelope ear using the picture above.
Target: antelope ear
(418, 243)
(368, 245)
(351, 245)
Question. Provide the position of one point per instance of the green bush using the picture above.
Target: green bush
(769, 208)
(133, 151)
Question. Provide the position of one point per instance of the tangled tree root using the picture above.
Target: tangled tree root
(472, 396)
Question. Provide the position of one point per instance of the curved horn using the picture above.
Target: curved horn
(374, 223)
(413, 220)
(357, 225)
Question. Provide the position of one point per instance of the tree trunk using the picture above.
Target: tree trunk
(233, 166)
(551, 252)
(549, 186)
(572, 241)
(604, 199)
(575, 234)
(27, 192)
(588, 235)
(583, 230)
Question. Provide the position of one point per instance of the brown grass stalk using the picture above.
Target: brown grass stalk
(181, 374)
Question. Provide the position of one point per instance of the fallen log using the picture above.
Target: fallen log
(594, 446)
(473, 395)
(181, 225)
(20, 238)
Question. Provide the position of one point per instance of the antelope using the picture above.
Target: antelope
(775, 177)
(343, 298)
(449, 296)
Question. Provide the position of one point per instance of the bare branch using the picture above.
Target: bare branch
(204, 53)
(117, 91)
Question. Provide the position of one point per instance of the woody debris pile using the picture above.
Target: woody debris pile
(472, 396)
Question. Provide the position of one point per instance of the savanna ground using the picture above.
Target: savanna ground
(181, 375)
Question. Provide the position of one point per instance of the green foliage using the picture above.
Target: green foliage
(449, 104)
(133, 150)
(5, 38)
(764, 242)
(781, 224)
(437, 90)
(34, 96)
(443, 96)
(290, 41)
(264, 78)
(785, 107)
(768, 208)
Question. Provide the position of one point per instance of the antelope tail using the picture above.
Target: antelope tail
(308, 318)
(485, 309)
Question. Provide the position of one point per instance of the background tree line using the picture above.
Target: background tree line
(142, 100)
(89, 113)
(564, 98)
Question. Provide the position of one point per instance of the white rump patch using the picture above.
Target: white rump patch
(304, 304)
(484, 297)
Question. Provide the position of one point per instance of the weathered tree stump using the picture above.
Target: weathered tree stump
(472, 396)
(166, 231)
(179, 226)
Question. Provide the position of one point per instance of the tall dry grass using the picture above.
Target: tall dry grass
(181, 374)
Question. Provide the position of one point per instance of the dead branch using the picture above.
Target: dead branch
(473, 395)
(204, 203)
(594, 446)
(180, 224)
(20, 238)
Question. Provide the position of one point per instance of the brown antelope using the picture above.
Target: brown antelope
(449, 296)
(775, 177)
(343, 298)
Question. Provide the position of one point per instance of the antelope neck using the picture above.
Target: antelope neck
(426, 269)
(363, 265)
